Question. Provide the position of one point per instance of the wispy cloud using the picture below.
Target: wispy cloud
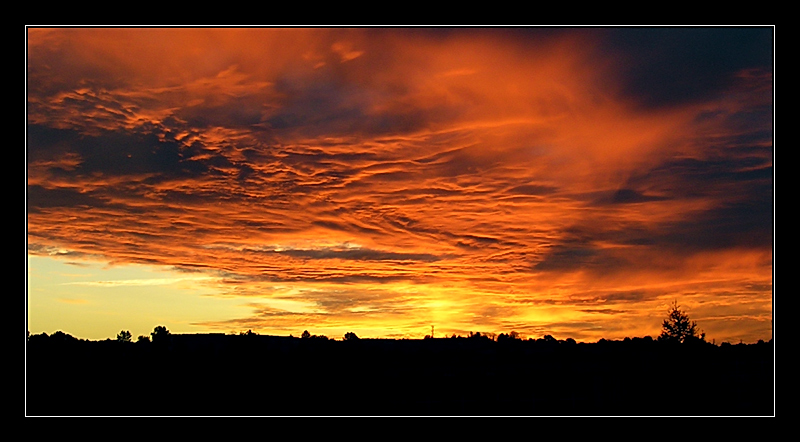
(73, 301)
(141, 282)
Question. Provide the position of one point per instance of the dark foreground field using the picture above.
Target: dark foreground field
(235, 375)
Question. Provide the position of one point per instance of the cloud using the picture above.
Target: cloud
(73, 301)
(675, 66)
(39, 198)
(357, 254)
(630, 196)
(140, 282)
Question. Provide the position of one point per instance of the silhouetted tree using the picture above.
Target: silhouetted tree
(549, 339)
(161, 336)
(513, 336)
(124, 336)
(142, 339)
(350, 336)
(60, 336)
(479, 337)
(679, 328)
(40, 339)
(305, 334)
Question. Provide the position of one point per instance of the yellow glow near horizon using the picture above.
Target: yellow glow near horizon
(92, 300)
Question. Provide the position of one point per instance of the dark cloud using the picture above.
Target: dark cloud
(627, 196)
(566, 258)
(742, 215)
(668, 66)
(353, 278)
(360, 302)
(39, 198)
(532, 189)
(357, 254)
(235, 112)
(46, 144)
(743, 224)
(347, 227)
(41, 249)
(735, 177)
(115, 153)
(604, 311)
(613, 297)
(324, 102)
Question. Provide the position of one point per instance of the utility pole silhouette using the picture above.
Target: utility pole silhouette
(431, 332)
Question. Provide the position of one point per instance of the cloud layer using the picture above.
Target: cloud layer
(566, 181)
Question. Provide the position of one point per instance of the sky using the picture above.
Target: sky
(395, 182)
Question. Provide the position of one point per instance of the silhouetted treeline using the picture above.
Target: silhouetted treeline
(250, 374)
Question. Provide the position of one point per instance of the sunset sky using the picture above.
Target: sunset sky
(564, 181)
